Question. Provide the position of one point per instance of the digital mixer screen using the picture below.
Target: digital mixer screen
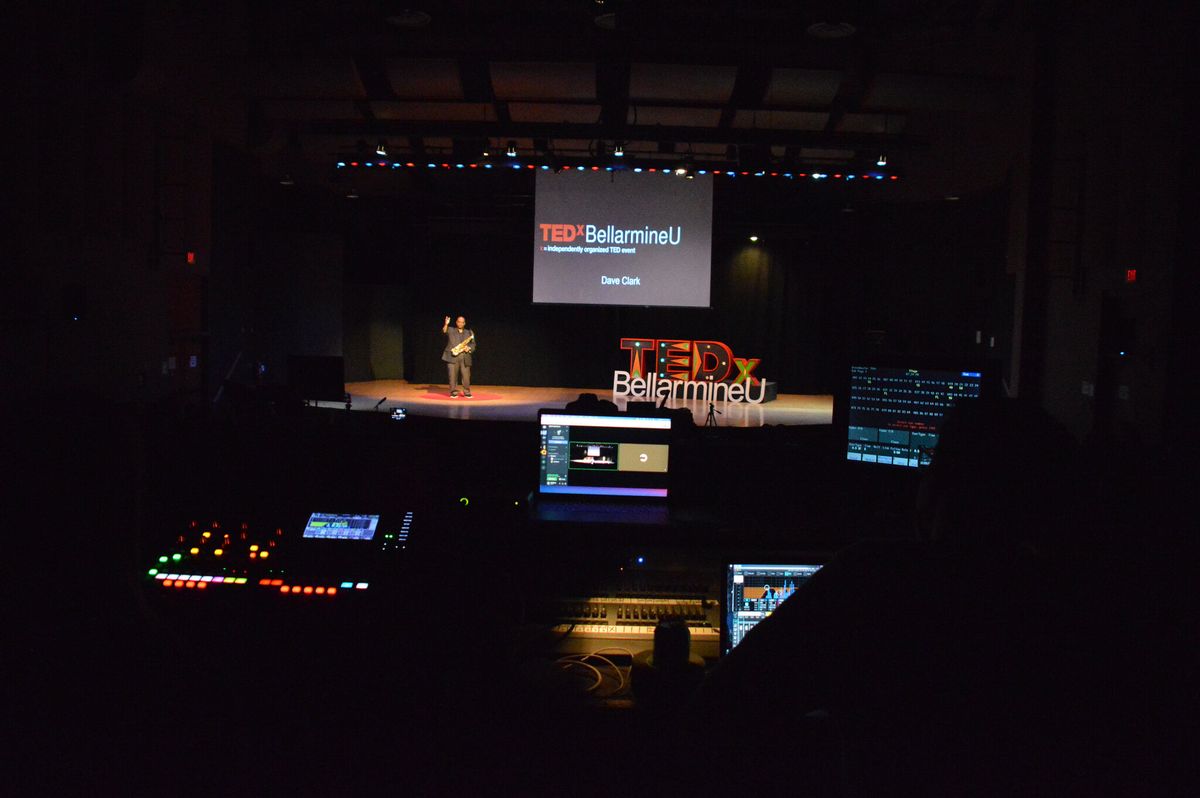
(895, 414)
(754, 591)
(341, 526)
(604, 455)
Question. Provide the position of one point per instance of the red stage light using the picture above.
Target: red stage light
(276, 582)
(893, 177)
(191, 584)
(264, 582)
(307, 590)
(168, 582)
(202, 585)
(1131, 275)
(331, 591)
(354, 163)
(410, 163)
(319, 591)
(284, 588)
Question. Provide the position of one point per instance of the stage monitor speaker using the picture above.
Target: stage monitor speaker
(317, 377)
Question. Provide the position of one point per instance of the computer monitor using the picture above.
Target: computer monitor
(604, 456)
(755, 590)
(894, 413)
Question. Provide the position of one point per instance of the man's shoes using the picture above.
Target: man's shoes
(454, 394)
(467, 394)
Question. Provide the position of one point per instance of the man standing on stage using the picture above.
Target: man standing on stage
(460, 343)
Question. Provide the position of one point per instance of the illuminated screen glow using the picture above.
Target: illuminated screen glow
(754, 591)
(895, 414)
(341, 526)
(604, 455)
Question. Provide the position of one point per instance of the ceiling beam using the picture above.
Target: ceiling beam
(749, 89)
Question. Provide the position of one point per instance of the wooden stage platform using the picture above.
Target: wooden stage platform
(519, 403)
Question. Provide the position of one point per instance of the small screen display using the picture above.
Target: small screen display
(341, 526)
(604, 455)
(895, 414)
(754, 591)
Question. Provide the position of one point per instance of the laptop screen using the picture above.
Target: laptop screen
(604, 455)
(754, 590)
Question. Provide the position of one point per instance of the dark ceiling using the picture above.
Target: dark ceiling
(820, 84)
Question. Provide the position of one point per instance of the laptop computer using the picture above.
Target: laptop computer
(603, 468)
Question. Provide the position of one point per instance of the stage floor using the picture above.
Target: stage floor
(519, 403)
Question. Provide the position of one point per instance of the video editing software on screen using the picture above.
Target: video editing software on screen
(895, 414)
(604, 455)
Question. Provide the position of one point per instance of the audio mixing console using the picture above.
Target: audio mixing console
(331, 555)
(586, 624)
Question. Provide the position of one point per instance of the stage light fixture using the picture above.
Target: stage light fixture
(381, 148)
(618, 150)
(753, 239)
(511, 152)
(686, 169)
(881, 160)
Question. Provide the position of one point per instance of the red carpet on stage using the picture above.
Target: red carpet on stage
(475, 397)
